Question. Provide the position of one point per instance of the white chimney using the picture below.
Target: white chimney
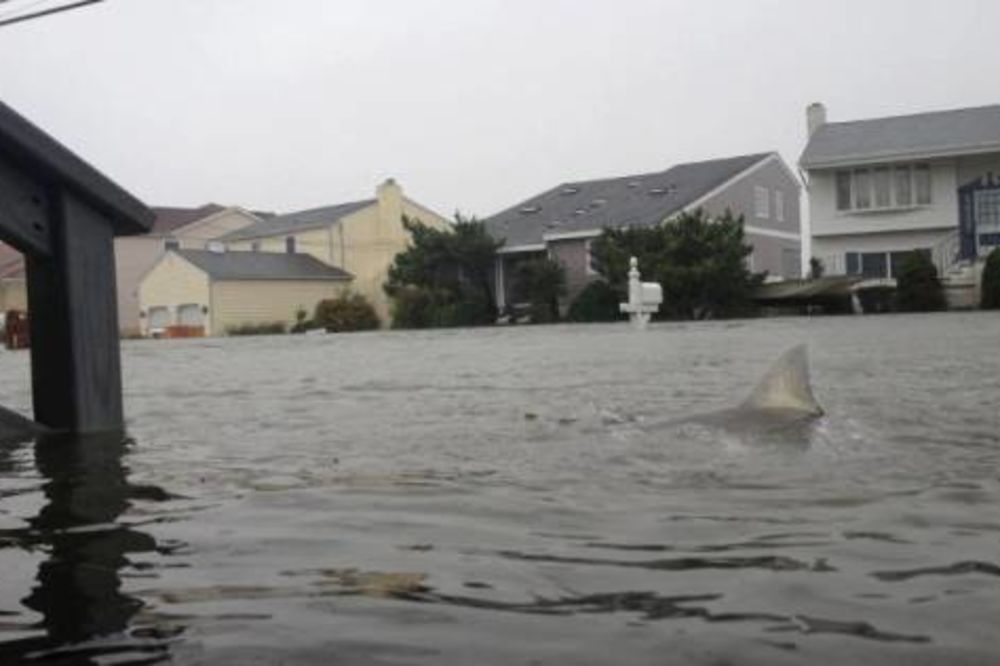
(815, 117)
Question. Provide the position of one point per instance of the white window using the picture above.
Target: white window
(159, 318)
(904, 186)
(844, 188)
(189, 314)
(761, 202)
(882, 184)
(779, 205)
(922, 184)
(881, 188)
(862, 189)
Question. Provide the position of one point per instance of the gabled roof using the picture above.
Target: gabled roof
(262, 266)
(314, 218)
(639, 200)
(171, 218)
(918, 136)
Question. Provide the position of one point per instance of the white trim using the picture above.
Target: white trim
(697, 203)
(193, 226)
(573, 235)
(514, 249)
(774, 233)
(879, 158)
(500, 287)
(877, 232)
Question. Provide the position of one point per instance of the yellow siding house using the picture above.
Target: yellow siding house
(218, 290)
(360, 237)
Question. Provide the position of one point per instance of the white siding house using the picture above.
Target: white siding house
(880, 188)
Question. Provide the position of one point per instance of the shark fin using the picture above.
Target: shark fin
(786, 385)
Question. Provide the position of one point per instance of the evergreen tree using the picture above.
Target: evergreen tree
(917, 286)
(445, 277)
(700, 262)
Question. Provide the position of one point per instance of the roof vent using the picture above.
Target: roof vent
(658, 191)
(634, 184)
(580, 211)
(530, 210)
(570, 190)
(554, 224)
(597, 203)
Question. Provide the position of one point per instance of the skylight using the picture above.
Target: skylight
(529, 210)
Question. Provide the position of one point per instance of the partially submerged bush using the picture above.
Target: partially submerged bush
(541, 282)
(348, 312)
(990, 298)
(423, 307)
(597, 302)
(259, 328)
(917, 286)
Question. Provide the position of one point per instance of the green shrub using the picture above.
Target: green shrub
(262, 328)
(699, 261)
(990, 298)
(816, 268)
(597, 302)
(541, 282)
(917, 286)
(412, 307)
(422, 307)
(348, 312)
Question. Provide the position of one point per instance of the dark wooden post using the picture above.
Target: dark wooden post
(63, 215)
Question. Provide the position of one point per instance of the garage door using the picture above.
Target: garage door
(189, 314)
(159, 318)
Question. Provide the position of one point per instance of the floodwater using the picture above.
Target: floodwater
(497, 496)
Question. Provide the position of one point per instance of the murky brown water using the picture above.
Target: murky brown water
(494, 497)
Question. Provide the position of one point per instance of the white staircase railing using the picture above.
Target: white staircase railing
(945, 252)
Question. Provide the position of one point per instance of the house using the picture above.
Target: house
(172, 228)
(268, 271)
(360, 237)
(881, 187)
(561, 222)
(213, 291)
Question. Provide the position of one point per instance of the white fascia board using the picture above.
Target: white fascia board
(515, 249)
(883, 158)
(573, 235)
(773, 233)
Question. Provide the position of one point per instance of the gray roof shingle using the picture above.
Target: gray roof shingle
(262, 266)
(638, 200)
(304, 220)
(922, 135)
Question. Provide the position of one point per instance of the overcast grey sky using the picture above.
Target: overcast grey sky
(470, 104)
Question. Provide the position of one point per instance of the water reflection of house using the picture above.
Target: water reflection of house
(267, 271)
(882, 187)
(562, 222)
